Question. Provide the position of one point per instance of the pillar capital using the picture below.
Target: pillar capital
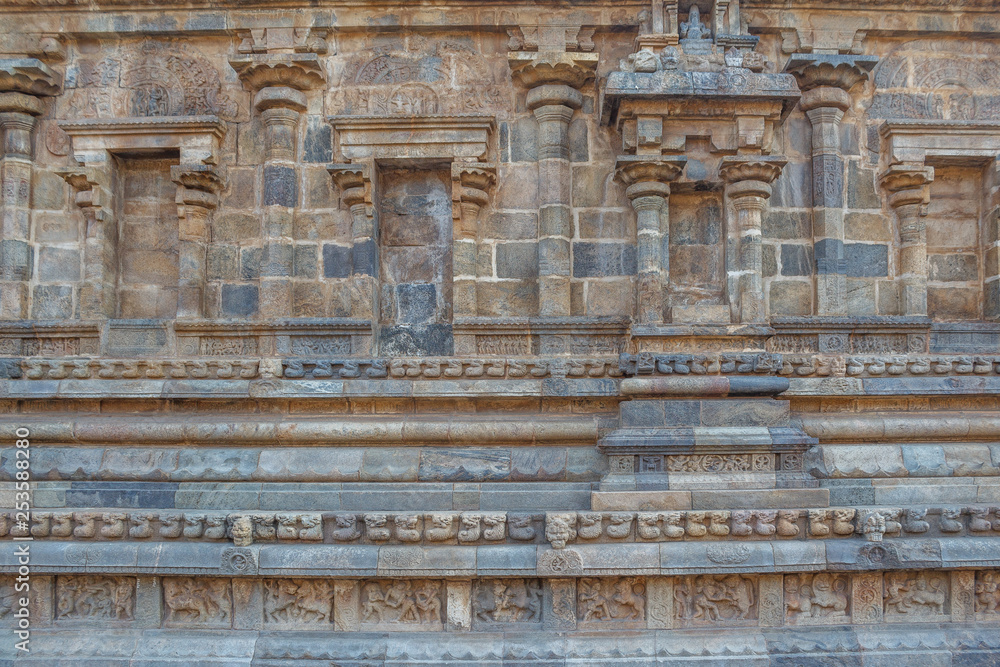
(539, 68)
(354, 181)
(632, 170)
(197, 185)
(29, 76)
(750, 176)
(818, 70)
(299, 71)
(907, 184)
(91, 186)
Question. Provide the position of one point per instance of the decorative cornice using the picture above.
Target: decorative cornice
(210, 125)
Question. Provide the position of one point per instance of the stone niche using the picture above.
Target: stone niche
(415, 186)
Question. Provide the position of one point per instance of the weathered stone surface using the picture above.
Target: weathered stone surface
(613, 337)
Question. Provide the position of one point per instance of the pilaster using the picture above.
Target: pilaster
(748, 186)
(197, 197)
(355, 184)
(23, 81)
(553, 80)
(909, 194)
(826, 82)
(92, 193)
(472, 182)
(648, 189)
(278, 74)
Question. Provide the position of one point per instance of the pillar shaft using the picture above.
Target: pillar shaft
(16, 128)
(470, 193)
(828, 202)
(825, 81)
(648, 179)
(553, 79)
(555, 218)
(197, 188)
(279, 108)
(909, 194)
(749, 189)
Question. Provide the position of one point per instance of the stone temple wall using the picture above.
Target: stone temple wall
(514, 333)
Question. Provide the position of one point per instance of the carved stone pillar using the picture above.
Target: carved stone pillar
(22, 82)
(909, 194)
(100, 254)
(197, 196)
(825, 81)
(278, 81)
(553, 80)
(648, 180)
(471, 184)
(748, 188)
(355, 183)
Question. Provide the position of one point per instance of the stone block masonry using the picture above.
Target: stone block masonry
(590, 333)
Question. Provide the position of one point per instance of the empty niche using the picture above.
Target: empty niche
(148, 239)
(415, 238)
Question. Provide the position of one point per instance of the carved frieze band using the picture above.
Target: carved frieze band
(586, 603)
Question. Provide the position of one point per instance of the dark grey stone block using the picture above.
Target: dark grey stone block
(524, 140)
(277, 260)
(861, 192)
(337, 260)
(10, 368)
(866, 260)
(828, 181)
(52, 302)
(318, 140)
(578, 148)
(239, 300)
(796, 260)
(280, 186)
(830, 256)
(250, 259)
(769, 261)
(121, 494)
(57, 265)
(464, 465)
(223, 262)
(136, 337)
(597, 260)
(416, 303)
(787, 225)
(517, 260)
(416, 340)
(364, 258)
(503, 140)
(305, 261)
(644, 414)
